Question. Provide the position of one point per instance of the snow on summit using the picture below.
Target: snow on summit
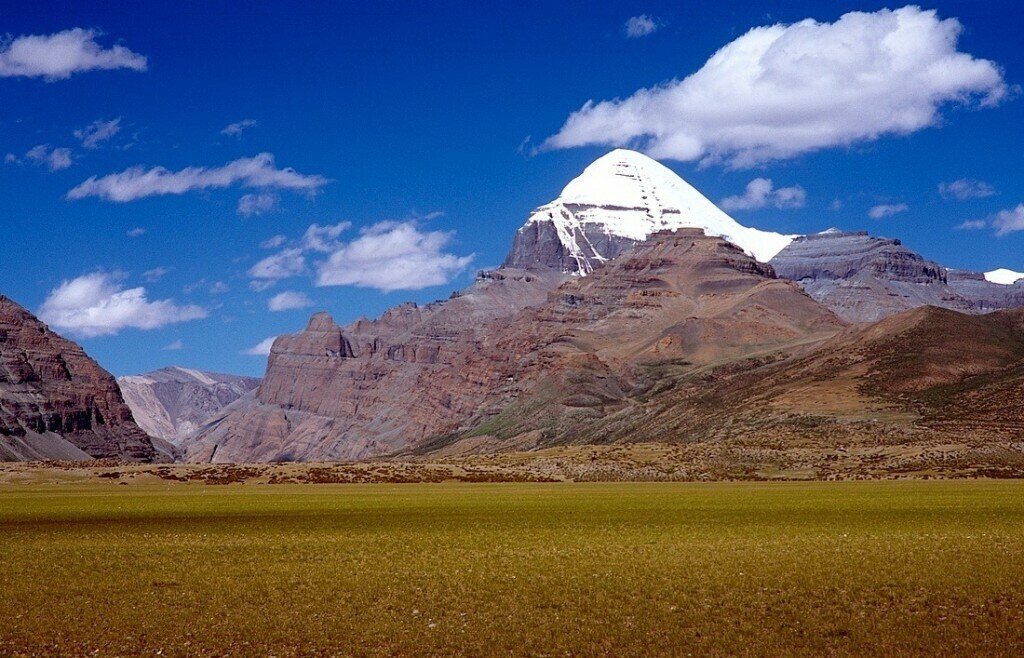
(1003, 276)
(628, 194)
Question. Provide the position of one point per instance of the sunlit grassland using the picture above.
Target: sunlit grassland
(513, 569)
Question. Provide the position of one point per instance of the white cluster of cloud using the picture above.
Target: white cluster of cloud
(137, 182)
(761, 193)
(98, 305)
(59, 56)
(966, 188)
(780, 91)
(237, 128)
(640, 26)
(136, 232)
(1004, 222)
(174, 346)
(261, 348)
(53, 159)
(97, 132)
(289, 300)
(884, 210)
(392, 255)
(250, 205)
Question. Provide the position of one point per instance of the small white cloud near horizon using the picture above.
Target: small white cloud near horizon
(98, 132)
(174, 346)
(289, 300)
(136, 182)
(884, 210)
(237, 128)
(261, 348)
(136, 232)
(59, 56)
(54, 159)
(761, 192)
(97, 304)
(253, 205)
(966, 188)
(781, 91)
(640, 26)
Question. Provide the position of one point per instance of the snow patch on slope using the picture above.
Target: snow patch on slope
(627, 194)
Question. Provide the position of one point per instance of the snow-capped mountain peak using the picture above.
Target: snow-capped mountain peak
(1003, 276)
(619, 199)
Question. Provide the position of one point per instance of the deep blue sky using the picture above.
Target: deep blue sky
(410, 109)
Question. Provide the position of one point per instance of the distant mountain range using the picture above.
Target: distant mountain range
(171, 403)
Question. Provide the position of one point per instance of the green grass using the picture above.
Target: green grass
(883, 568)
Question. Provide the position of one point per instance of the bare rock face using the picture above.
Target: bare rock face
(56, 402)
(513, 349)
(375, 386)
(864, 278)
(173, 402)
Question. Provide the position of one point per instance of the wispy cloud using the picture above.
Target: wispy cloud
(98, 305)
(175, 346)
(137, 183)
(761, 193)
(53, 159)
(273, 242)
(237, 128)
(966, 188)
(884, 210)
(261, 348)
(251, 205)
(155, 274)
(289, 300)
(1009, 221)
(640, 26)
(59, 56)
(784, 90)
(98, 132)
(971, 225)
(136, 232)
(281, 265)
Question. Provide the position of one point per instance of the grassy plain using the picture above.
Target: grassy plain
(560, 569)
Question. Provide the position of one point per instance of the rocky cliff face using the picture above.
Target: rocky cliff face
(556, 355)
(56, 402)
(864, 278)
(173, 402)
(373, 387)
(616, 203)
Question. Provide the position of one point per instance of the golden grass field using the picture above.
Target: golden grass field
(517, 569)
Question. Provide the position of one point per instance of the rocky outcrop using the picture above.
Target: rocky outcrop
(865, 278)
(56, 402)
(171, 403)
